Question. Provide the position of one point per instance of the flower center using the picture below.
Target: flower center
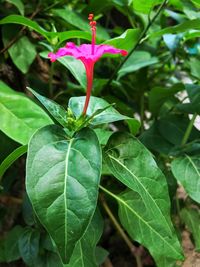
(93, 29)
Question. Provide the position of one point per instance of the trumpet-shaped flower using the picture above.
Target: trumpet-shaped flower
(88, 54)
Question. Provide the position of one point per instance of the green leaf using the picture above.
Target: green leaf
(19, 5)
(136, 61)
(148, 217)
(191, 218)
(182, 27)
(79, 22)
(29, 246)
(195, 68)
(17, 19)
(76, 67)
(187, 171)
(153, 140)
(158, 96)
(11, 244)
(193, 106)
(145, 6)
(196, 2)
(126, 40)
(147, 230)
(20, 49)
(172, 127)
(103, 135)
(56, 110)
(20, 117)
(101, 255)
(10, 159)
(84, 254)
(62, 183)
(76, 104)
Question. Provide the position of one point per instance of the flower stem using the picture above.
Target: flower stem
(89, 74)
(132, 248)
(188, 130)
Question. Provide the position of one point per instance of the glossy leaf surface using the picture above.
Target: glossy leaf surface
(62, 183)
(76, 104)
(56, 110)
(20, 117)
(187, 171)
(84, 252)
(133, 165)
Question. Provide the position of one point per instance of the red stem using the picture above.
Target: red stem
(89, 74)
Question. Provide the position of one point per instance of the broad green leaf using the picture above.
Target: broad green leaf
(78, 21)
(165, 249)
(145, 6)
(136, 61)
(158, 95)
(71, 35)
(133, 165)
(195, 68)
(11, 244)
(19, 5)
(126, 40)
(145, 229)
(76, 67)
(62, 183)
(29, 246)
(172, 128)
(187, 171)
(76, 104)
(22, 52)
(191, 218)
(10, 159)
(182, 27)
(193, 91)
(84, 254)
(20, 117)
(17, 19)
(153, 140)
(62, 36)
(103, 135)
(101, 255)
(48, 259)
(196, 2)
(56, 110)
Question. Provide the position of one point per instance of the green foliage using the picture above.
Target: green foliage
(60, 186)
(138, 142)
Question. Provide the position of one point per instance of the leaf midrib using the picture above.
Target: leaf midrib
(139, 217)
(147, 192)
(65, 192)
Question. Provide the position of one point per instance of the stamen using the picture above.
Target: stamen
(93, 28)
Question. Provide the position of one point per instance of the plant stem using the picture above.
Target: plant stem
(132, 248)
(188, 130)
(142, 36)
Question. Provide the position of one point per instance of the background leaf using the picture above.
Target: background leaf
(191, 218)
(84, 253)
(20, 117)
(147, 207)
(187, 171)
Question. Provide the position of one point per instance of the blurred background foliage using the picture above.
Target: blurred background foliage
(158, 84)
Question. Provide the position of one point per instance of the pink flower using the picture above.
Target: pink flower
(88, 54)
